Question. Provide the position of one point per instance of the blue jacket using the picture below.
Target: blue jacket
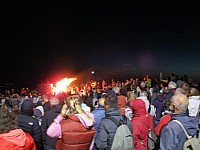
(172, 135)
(107, 129)
(98, 113)
(170, 94)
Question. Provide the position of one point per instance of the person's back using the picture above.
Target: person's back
(73, 127)
(98, 113)
(107, 128)
(49, 116)
(172, 135)
(141, 123)
(28, 123)
(12, 138)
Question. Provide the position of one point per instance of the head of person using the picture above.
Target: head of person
(54, 101)
(27, 107)
(143, 93)
(185, 86)
(180, 91)
(111, 102)
(73, 104)
(193, 92)
(101, 102)
(171, 85)
(131, 95)
(179, 103)
(7, 119)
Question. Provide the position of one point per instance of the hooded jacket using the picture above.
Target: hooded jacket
(28, 123)
(16, 140)
(172, 135)
(76, 132)
(107, 129)
(140, 118)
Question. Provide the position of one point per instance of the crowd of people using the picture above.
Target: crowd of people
(82, 120)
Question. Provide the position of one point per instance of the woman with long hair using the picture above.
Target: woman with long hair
(11, 137)
(73, 126)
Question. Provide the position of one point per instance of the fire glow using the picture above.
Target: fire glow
(62, 85)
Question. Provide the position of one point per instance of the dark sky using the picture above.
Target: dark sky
(48, 40)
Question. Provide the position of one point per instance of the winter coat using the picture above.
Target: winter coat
(194, 104)
(16, 140)
(172, 135)
(170, 94)
(48, 118)
(28, 123)
(76, 132)
(107, 129)
(98, 113)
(158, 104)
(140, 118)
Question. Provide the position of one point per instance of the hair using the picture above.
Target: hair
(131, 95)
(7, 119)
(112, 101)
(143, 93)
(101, 101)
(185, 86)
(180, 91)
(171, 85)
(193, 92)
(74, 106)
(54, 101)
(180, 101)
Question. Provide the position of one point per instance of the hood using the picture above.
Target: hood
(121, 101)
(86, 122)
(194, 97)
(27, 107)
(112, 112)
(17, 137)
(189, 122)
(138, 107)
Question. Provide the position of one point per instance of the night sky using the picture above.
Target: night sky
(54, 39)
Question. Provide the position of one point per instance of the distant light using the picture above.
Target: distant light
(92, 72)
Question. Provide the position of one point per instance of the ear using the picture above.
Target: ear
(106, 106)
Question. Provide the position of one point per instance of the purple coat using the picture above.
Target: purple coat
(158, 104)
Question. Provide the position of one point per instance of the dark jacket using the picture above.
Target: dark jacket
(28, 123)
(170, 94)
(158, 104)
(107, 129)
(172, 135)
(48, 118)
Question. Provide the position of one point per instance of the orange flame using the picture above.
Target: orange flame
(62, 85)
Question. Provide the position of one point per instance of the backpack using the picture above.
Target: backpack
(152, 138)
(192, 143)
(123, 139)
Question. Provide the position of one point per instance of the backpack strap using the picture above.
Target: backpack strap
(118, 123)
(188, 136)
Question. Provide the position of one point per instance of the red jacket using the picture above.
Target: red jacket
(74, 135)
(16, 140)
(140, 130)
